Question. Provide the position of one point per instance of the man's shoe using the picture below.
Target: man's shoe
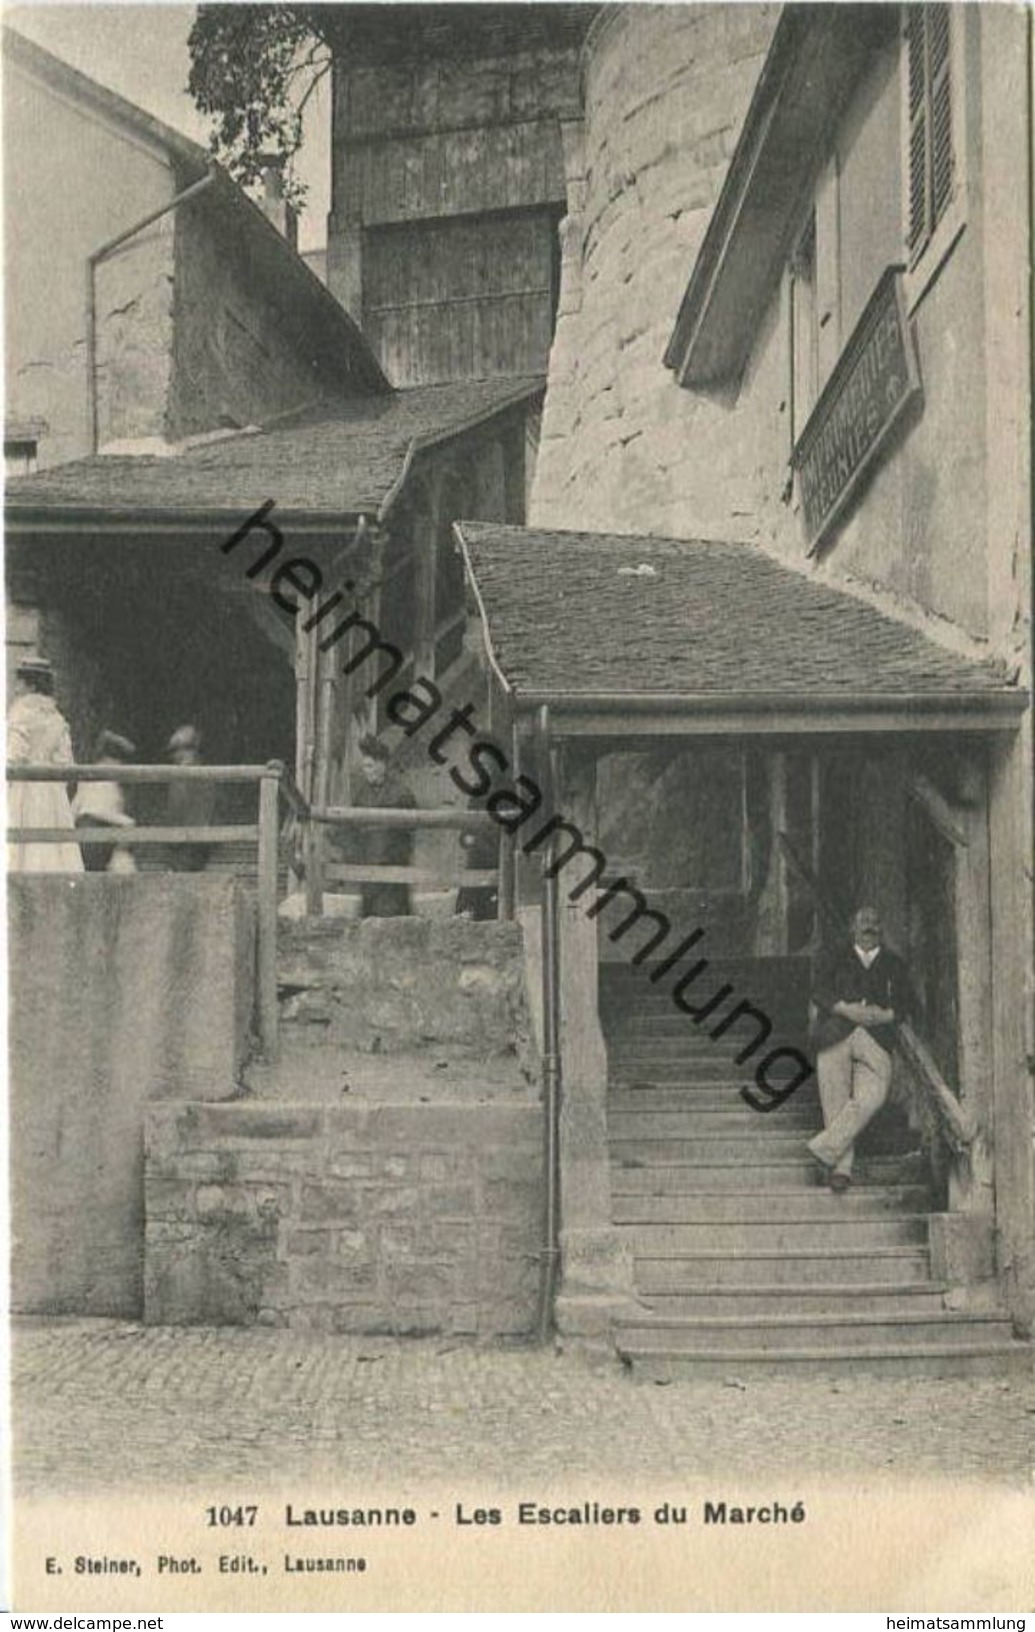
(839, 1183)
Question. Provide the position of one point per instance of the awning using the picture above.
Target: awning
(622, 634)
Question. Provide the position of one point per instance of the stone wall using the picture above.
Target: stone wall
(73, 179)
(122, 990)
(244, 350)
(347, 1218)
(665, 90)
(408, 985)
(625, 448)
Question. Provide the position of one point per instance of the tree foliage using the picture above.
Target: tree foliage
(254, 68)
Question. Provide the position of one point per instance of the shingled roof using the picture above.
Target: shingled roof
(350, 461)
(582, 617)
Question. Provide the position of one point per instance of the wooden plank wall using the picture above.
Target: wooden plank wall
(455, 172)
(448, 180)
(461, 299)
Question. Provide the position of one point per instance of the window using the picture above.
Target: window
(20, 456)
(815, 298)
(804, 328)
(932, 130)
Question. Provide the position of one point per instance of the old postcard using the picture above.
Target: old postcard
(519, 784)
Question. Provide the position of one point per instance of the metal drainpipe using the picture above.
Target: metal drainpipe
(551, 1049)
(93, 260)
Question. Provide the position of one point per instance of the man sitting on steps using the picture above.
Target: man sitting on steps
(861, 993)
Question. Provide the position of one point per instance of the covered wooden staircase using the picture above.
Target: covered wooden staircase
(744, 1260)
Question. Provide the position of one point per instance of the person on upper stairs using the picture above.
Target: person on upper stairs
(861, 993)
(188, 804)
(381, 787)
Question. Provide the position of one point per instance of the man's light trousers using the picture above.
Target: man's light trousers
(854, 1077)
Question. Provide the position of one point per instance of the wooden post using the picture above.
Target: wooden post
(815, 846)
(774, 903)
(976, 978)
(506, 891)
(505, 886)
(314, 851)
(266, 952)
(596, 1265)
(425, 542)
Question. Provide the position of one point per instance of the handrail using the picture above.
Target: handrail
(293, 795)
(240, 833)
(392, 818)
(956, 1124)
(383, 816)
(139, 773)
(384, 872)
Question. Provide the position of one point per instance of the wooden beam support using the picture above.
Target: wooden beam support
(266, 941)
(596, 1280)
(950, 821)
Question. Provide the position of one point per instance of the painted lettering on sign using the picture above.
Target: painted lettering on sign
(873, 382)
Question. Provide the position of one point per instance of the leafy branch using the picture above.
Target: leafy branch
(254, 69)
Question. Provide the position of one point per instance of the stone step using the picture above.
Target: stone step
(665, 1020)
(684, 1166)
(991, 1359)
(922, 1297)
(644, 1065)
(658, 1014)
(683, 1073)
(723, 1083)
(713, 1271)
(749, 969)
(763, 1206)
(681, 1178)
(755, 1151)
(750, 1148)
(736, 1119)
(777, 1333)
(662, 1240)
(688, 1038)
(696, 1098)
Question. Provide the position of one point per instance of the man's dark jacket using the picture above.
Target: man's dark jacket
(843, 979)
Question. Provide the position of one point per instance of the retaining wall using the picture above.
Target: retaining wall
(122, 990)
(355, 1218)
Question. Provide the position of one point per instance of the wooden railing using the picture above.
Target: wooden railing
(953, 1124)
(351, 817)
(272, 782)
(299, 841)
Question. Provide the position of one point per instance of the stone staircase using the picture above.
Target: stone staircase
(744, 1260)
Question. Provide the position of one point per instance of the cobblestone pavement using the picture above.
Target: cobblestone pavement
(99, 1405)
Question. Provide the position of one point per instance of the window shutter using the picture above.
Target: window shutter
(931, 159)
(918, 210)
(941, 111)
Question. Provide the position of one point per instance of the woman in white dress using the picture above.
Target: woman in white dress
(37, 734)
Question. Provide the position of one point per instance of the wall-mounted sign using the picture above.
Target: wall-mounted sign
(875, 379)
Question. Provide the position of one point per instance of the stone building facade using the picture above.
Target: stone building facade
(791, 230)
(200, 316)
